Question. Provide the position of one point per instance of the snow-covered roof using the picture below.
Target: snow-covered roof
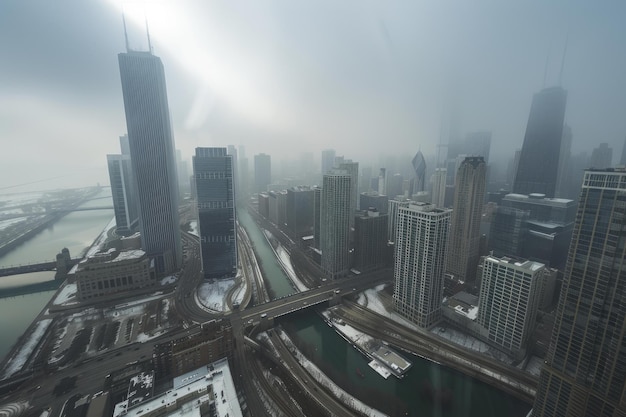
(216, 375)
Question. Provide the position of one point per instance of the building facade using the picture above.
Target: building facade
(328, 160)
(153, 160)
(584, 373)
(122, 194)
(439, 187)
(419, 168)
(215, 199)
(370, 240)
(262, 172)
(538, 165)
(113, 273)
(508, 301)
(464, 239)
(335, 211)
(372, 199)
(352, 168)
(300, 211)
(419, 262)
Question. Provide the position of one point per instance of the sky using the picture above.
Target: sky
(366, 78)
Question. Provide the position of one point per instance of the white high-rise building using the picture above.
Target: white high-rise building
(153, 159)
(335, 210)
(420, 261)
(439, 187)
(352, 168)
(508, 301)
(394, 205)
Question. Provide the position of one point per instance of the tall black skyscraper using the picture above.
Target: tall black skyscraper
(585, 370)
(153, 157)
(539, 161)
(215, 190)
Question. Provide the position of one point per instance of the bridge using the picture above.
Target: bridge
(80, 209)
(36, 267)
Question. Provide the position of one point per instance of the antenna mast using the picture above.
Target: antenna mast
(148, 34)
(125, 32)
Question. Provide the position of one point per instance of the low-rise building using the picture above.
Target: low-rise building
(204, 391)
(113, 272)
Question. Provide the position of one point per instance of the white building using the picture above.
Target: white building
(420, 260)
(508, 301)
(335, 211)
(194, 394)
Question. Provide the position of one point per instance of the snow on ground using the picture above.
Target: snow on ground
(99, 242)
(19, 360)
(169, 280)
(6, 223)
(375, 304)
(321, 378)
(165, 309)
(67, 294)
(193, 226)
(240, 292)
(212, 295)
(534, 365)
(142, 337)
(364, 341)
(285, 262)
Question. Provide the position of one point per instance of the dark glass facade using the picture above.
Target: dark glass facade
(153, 161)
(213, 173)
(585, 370)
(539, 160)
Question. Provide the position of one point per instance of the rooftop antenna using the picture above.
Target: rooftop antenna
(125, 32)
(148, 34)
(563, 58)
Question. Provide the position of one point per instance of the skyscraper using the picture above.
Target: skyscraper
(153, 159)
(122, 192)
(508, 301)
(539, 160)
(352, 168)
(328, 160)
(335, 207)
(584, 373)
(420, 260)
(262, 172)
(601, 157)
(469, 195)
(213, 172)
(419, 167)
(439, 187)
(622, 160)
(370, 240)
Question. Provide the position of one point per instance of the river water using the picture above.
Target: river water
(349, 368)
(469, 398)
(76, 231)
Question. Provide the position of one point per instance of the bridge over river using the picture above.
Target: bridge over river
(34, 267)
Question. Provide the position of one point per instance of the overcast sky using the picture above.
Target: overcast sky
(283, 77)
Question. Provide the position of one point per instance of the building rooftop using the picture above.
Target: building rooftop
(521, 264)
(208, 383)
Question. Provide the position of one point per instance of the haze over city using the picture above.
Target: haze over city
(365, 78)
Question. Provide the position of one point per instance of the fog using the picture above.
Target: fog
(367, 78)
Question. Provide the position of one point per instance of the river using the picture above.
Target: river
(339, 360)
(76, 231)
